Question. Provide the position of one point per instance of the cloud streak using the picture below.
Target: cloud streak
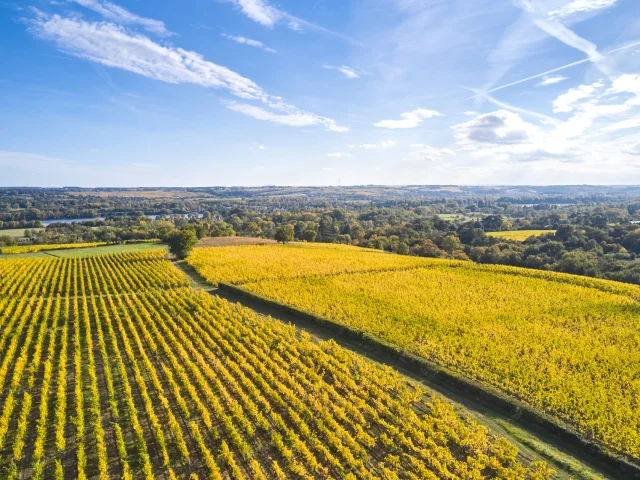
(347, 72)
(554, 70)
(247, 41)
(110, 45)
(551, 80)
(262, 12)
(117, 14)
(294, 119)
(553, 27)
(411, 119)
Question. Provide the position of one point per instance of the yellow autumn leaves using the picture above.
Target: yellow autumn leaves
(567, 345)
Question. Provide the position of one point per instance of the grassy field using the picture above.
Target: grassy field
(17, 232)
(519, 235)
(120, 370)
(566, 345)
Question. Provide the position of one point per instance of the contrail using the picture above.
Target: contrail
(564, 67)
(513, 108)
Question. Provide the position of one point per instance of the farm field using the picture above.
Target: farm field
(566, 345)
(17, 232)
(81, 251)
(242, 264)
(231, 241)
(112, 367)
(519, 235)
(42, 247)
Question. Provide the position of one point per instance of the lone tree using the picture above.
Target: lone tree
(284, 234)
(182, 242)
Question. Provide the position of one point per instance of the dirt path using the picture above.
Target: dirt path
(534, 443)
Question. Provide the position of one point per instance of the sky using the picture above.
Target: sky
(127, 93)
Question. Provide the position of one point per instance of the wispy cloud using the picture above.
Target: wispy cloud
(427, 153)
(623, 125)
(347, 72)
(296, 119)
(514, 108)
(117, 14)
(339, 155)
(247, 41)
(111, 45)
(259, 11)
(581, 6)
(371, 146)
(411, 119)
(554, 70)
(262, 12)
(550, 80)
(555, 28)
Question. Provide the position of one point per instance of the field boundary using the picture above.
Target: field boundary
(566, 436)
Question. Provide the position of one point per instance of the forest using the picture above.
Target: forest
(585, 231)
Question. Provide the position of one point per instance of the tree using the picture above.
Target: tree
(493, 223)
(451, 243)
(182, 242)
(284, 234)
(579, 263)
(309, 235)
(7, 241)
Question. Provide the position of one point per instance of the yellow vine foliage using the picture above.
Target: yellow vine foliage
(564, 344)
(249, 263)
(519, 235)
(40, 248)
(194, 382)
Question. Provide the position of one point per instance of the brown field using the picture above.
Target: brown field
(140, 194)
(233, 241)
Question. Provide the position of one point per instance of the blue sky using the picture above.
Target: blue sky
(319, 92)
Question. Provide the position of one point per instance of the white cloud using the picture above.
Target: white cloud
(347, 72)
(554, 27)
(628, 83)
(262, 12)
(470, 113)
(623, 125)
(633, 149)
(550, 80)
(581, 6)
(417, 145)
(568, 100)
(261, 147)
(409, 119)
(259, 11)
(113, 46)
(117, 14)
(428, 153)
(296, 119)
(371, 146)
(247, 41)
(339, 154)
(500, 128)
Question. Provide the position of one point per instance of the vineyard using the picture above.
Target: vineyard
(112, 367)
(39, 248)
(566, 345)
(272, 262)
(519, 235)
